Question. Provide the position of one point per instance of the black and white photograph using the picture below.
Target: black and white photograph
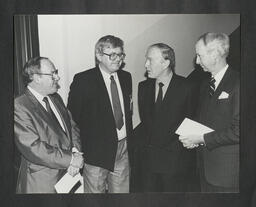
(120, 103)
(127, 103)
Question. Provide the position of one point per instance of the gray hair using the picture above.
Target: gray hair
(167, 53)
(220, 42)
(31, 67)
(108, 41)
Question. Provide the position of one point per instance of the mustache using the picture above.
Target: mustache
(57, 84)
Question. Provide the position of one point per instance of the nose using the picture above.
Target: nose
(146, 64)
(197, 60)
(56, 77)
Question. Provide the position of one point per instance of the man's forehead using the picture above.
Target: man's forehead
(154, 52)
(47, 65)
(112, 49)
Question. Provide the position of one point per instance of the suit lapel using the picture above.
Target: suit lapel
(150, 94)
(125, 90)
(38, 107)
(223, 84)
(63, 115)
(172, 88)
(102, 93)
(43, 114)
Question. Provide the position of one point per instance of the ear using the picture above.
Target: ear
(99, 57)
(35, 78)
(166, 63)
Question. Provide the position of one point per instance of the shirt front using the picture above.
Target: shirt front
(218, 77)
(166, 81)
(106, 77)
(40, 97)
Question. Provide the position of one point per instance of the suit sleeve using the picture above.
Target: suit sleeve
(230, 134)
(75, 103)
(140, 101)
(192, 100)
(30, 145)
(75, 133)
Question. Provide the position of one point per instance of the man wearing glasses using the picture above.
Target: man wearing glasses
(45, 134)
(100, 101)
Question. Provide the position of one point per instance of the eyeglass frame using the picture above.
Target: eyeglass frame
(121, 56)
(55, 72)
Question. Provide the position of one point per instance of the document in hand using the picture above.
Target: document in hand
(69, 184)
(189, 127)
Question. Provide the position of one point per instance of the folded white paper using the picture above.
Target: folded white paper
(189, 127)
(67, 182)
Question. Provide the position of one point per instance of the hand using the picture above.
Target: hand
(77, 161)
(73, 170)
(191, 141)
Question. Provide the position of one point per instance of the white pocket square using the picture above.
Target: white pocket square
(223, 95)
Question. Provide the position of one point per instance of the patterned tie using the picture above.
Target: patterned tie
(50, 111)
(118, 114)
(159, 99)
(212, 86)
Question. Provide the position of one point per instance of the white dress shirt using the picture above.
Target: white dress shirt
(218, 76)
(166, 81)
(40, 97)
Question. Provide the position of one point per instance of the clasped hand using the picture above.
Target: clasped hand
(191, 141)
(76, 164)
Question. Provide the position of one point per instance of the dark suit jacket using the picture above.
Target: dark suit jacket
(165, 153)
(91, 108)
(45, 148)
(221, 154)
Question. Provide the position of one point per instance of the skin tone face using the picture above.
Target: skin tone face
(110, 66)
(156, 66)
(206, 57)
(47, 84)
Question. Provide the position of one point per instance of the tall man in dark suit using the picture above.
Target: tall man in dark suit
(45, 133)
(165, 99)
(100, 102)
(218, 109)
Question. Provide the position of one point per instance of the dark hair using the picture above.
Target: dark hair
(221, 41)
(167, 53)
(31, 67)
(107, 42)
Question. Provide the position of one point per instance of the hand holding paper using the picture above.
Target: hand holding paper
(192, 133)
(191, 141)
(69, 184)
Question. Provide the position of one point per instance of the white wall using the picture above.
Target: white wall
(69, 40)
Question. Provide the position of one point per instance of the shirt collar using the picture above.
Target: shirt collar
(165, 80)
(221, 73)
(106, 75)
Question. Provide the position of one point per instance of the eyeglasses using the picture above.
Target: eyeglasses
(50, 74)
(113, 56)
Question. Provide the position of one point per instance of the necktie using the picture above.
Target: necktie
(49, 110)
(159, 96)
(212, 86)
(118, 114)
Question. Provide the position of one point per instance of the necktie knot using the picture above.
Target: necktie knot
(160, 85)
(45, 99)
(212, 81)
(112, 78)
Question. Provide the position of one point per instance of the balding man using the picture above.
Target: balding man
(45, 133)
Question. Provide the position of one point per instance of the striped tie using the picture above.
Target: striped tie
(212, 86)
